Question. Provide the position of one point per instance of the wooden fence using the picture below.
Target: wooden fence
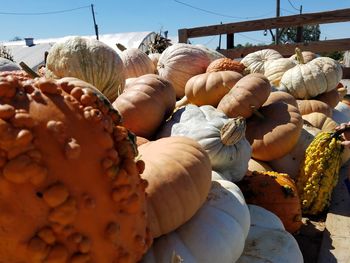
(336, 16)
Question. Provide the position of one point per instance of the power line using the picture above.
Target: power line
(293, 5)
(218, 14)
(288, 11)
(44, 13)
(254, 39)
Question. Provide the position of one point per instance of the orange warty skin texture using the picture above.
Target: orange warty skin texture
(70, 190)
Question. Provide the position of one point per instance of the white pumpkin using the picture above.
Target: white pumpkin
(136, 63)
(223, 138)
(255, 61)
(216, 233)
(274, 69)
(268, 241)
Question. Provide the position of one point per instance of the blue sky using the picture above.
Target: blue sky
(150, 15)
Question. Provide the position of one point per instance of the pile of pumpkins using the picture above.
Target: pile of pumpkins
(181, 156)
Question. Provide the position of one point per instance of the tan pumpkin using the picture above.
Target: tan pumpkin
(223, 64)
(154, 57)
(309, 106)
(209, 88)
(249, 93)
(136, 63)
(180, 62)
(145, 104)
(274, 69)
(255, 61)
(178, 172)
(64, 162)
(333, 97)
(276, 130)
(320, 121)
(307, 56)
(89, 60)
(256, 165)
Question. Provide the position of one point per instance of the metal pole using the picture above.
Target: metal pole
(277, 15)
(95, 25)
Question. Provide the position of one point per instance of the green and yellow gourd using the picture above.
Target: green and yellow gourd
(319, 172)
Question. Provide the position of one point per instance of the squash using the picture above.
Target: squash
(179, 62)
(305, 81)
(216, 233)
(320, 121)
(154, 58)
(222, 137)
(276, 130)
(8, 65)
(333, 97)
(136, 63)
(89, 60)
(256, 165)
(223, 64)
(268, 241)
(64, 157)
(209, 88)
(309, 106)
(145, 104)
(249, 93)
(274, 69)
(178, 172)
(255, 61)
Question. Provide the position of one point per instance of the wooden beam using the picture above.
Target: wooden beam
(342, 15)
(288, 49)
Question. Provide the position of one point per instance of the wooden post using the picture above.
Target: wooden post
(300, 30)
(229, 41)
(277, 15)
(183, 38)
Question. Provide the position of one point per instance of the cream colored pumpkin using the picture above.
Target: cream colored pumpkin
(260, 166)
(274, 69)
(223, 138)
(255, 61)
(136, 63)
(179, 62)
(268, 241)
(216, 233)
(89, 60)
(154, 57)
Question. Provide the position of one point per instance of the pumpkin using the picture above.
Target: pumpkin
(307, 56)
(209, 88)
(276, 130)
(274, 69)
(89, 60)
(216, 233)
(249, 93)
(255, 61)
(256, 165)
(64, 160)
(308, 80)
(309, 106)
(268, 241)
(8, 65)
(275, 192)
(212, 54)
(223, 64)
(154, 58)
(179, 62)
(145, 104)
(332, 97)
(136, 63)
(178, 172)
(320, 121)
(222, 137)
(141, 140)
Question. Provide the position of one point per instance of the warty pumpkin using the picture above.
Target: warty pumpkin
(268, 241)
(216, 233)
(70, 189)
(255, 61)
(89, 60)
(223, 138)
(178, 172)
(224, 64)
(136, 63)
(147, 102)
(247, 95)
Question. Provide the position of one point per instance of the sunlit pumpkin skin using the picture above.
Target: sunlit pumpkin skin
(145, 104)
(255, 61)
(276, 130)
(216, 233)
(65, 163)
(136, 63)
(307, 56)
(154, 58)
(89, 60)
(249, 93)
(256, 165)
(309, 106)
(209, 88)
(178, 172)
(180, 62)
(275, 192)
(223, 138)
(223, 64)
(274, 69)
(320, 121)
(18, 74)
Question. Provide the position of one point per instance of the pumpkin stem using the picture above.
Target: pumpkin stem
(299, 55)
(233, 131)
(27, 69)
(257, 113)
(182, 102)
(121, 47)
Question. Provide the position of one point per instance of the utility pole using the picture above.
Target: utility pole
(277, 15)
(95, 25)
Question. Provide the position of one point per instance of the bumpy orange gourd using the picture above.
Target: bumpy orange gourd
(275, 192)
(70, 190)
(224, 64)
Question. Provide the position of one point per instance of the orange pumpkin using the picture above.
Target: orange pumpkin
(275, 192)
(223, 64)
(309, 106)
(70, 190)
